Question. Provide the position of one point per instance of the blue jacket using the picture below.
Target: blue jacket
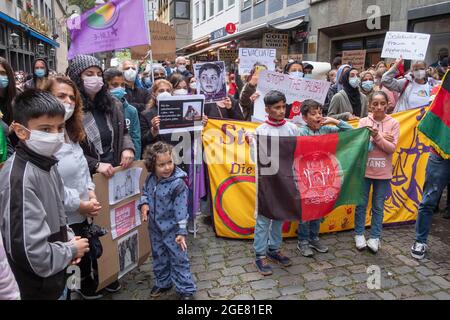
(342, 126)
(134, 126)
(168, 202)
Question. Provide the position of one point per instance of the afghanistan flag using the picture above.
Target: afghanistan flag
(306, 178)
(436, 123)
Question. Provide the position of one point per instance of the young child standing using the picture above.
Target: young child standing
(33, 222)
(316, 124)
(268, 233)
(164, 204)
(385, 132)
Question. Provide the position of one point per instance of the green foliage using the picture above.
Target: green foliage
(83, 4)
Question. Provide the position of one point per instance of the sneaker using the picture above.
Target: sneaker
(373, 244)
(278, 257)
(263, 266)
(187, 296)
(89, 294)
(157, 291)
(360, 242)
(418, 250)
(113, 287)
(304, 249)
(319, 247)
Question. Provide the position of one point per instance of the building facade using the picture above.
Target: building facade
(343, 25)
(177, 14)
(31, 29)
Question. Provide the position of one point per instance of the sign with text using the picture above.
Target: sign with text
(411, 46)
(248, 57)
(279, 41)
(180, 113)
(228, 55)
(286, 57)
(124, 219)
(355, 58)
(163, 44)
(295, 89)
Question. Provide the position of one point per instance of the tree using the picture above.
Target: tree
(84, 5)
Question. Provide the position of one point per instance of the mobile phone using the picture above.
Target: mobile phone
(258, 69)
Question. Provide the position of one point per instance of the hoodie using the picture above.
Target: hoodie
(168, 202)
(379, 160)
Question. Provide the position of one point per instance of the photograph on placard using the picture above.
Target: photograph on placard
(124, 219)
(124, 184)
(192, 111)
(128, 248)
(211, 80)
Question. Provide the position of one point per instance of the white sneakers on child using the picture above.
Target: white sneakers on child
(360, 242)
(374, 245)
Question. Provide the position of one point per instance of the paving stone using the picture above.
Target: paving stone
(340, 262)
(339, 292)
(404, 292)
(198, 268)
(408, 261)
(341, 281)
(422, 297)
(220, 292)
(441, 282)
(295, 289)
(233, 271)
(263, 284)
(320, 265)
(311, 276)
(239, 262)
(316, 285)
(407, 279)
(385, 295)
(366, 296)
(204, 285)
(344, 253)
(212, 275)
(403, 270)
(298, 269)
(290, 280)
(442, 295)
(317, 295)
(216, 266)
(216, 258)
(266, 294)
(243, 297)
(424, 271)
(359, 268)
(251, 276)
(230, 280)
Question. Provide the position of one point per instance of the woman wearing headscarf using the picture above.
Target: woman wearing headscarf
(349, 103)
(335, 87)
(40, 75)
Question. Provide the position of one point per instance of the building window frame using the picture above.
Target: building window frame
(246, 4)
(187, 6)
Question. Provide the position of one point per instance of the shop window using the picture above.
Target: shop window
(440, 36)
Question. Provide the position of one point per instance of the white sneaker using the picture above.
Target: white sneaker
(360, 242)
(374, 245)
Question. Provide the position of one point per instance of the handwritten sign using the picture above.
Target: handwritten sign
(411, 46)
(286, 57)
(279, 41)
(295, 89)
(249, 56)
(355, 58)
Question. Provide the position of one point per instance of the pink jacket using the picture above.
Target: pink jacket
(8, 286)
(379, 161)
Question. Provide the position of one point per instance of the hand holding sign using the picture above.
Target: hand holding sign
(412, 46)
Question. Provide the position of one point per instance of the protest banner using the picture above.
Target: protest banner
(295, 89)
(211, 80)
(110, 264)
(235, 179)
(409, 45)
(355, 58)
(248, 57)
(180, 113)
(108, 27)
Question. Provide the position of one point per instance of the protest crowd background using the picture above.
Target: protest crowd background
(110, 162)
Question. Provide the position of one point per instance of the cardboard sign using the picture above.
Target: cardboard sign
(279, 41)
(110, 262)
(409, 45)
(355, 58)
(295, 89)
(211, 80)
(180, 113)
(228, 55)
(163, 40)
(286, 57)
(248, 57)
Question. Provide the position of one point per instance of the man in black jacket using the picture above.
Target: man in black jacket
(137, 97)
(181, 63)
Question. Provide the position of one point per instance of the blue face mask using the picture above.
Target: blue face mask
(354, 82)
(296, 74)
(39, 73)
(148, 81)
(367, 85)
(308, 76)
(4, 81)
(119, 92)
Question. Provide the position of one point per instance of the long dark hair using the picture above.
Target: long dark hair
(10, 93)
(103, 101)
(35, 78)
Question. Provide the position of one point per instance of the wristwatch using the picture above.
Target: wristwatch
(97, 165)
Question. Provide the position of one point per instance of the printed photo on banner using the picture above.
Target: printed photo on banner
(128, 248)
(211, 80)
(180, 113)
(124, 219)
(296, 90)
(248, 57)
(409, 45)
(124, 184)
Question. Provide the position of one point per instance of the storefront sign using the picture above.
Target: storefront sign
(228, 55)
(355, 58)
(230, 28)
(410, 46)
(222, 32)
(286, 57)
(279, 41)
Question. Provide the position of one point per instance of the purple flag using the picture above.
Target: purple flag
(115, 25)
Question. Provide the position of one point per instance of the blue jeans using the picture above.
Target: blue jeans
(309, 231)
(380, 191)
(268, 235)
(437, 176)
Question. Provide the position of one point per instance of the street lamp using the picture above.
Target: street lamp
(40, 49)
(14, 39)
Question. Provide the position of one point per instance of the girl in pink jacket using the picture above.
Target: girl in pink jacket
(385, 132)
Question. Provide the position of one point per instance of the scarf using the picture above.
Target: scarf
(353, 93)
(339, 75)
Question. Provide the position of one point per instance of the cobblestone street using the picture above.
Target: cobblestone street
(223, 269)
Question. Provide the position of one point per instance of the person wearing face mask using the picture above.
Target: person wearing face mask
(349, 103)
(137, 97)
(246, 98)
(179, 84)
(192, 86)
(7, 94)
(294, 69)
(414, 89)
(116, 85)
(80, 200)
(39, 245)
(40, 75)
(181, 67)
(367, 83)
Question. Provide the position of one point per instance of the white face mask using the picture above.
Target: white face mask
(181, 68)
(164, 94)
(70, 108)
(130, 75)
(44, 143)
(180, 92)
(92, 85)
(420, 74)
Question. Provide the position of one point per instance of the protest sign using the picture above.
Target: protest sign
(286, 57)
(279, 41)
(109, 264)
(124, 219)
(248, 57)
(411, 46)
(128, 248)
(295, 89)
(211, 80)
(180, 113)
(355, 58)
(123, 185)
(228, 56)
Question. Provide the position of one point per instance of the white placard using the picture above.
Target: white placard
(123, 185)
(249, 56)
(295, 89)
(128, 248)
(411, 46)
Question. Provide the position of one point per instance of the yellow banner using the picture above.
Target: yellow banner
(232, 178)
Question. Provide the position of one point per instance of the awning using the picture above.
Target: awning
(289, 24)
(199, 42)
(212, 47)
(241, 33)
(28, 30)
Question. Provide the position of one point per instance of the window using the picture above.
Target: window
(230, 3)
(197, 13)
(246, 4)
(182, 10)
(220, 6)
(203, 10)
(211, 8)
(439, 28)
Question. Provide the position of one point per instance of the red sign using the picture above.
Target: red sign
(230, 28)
